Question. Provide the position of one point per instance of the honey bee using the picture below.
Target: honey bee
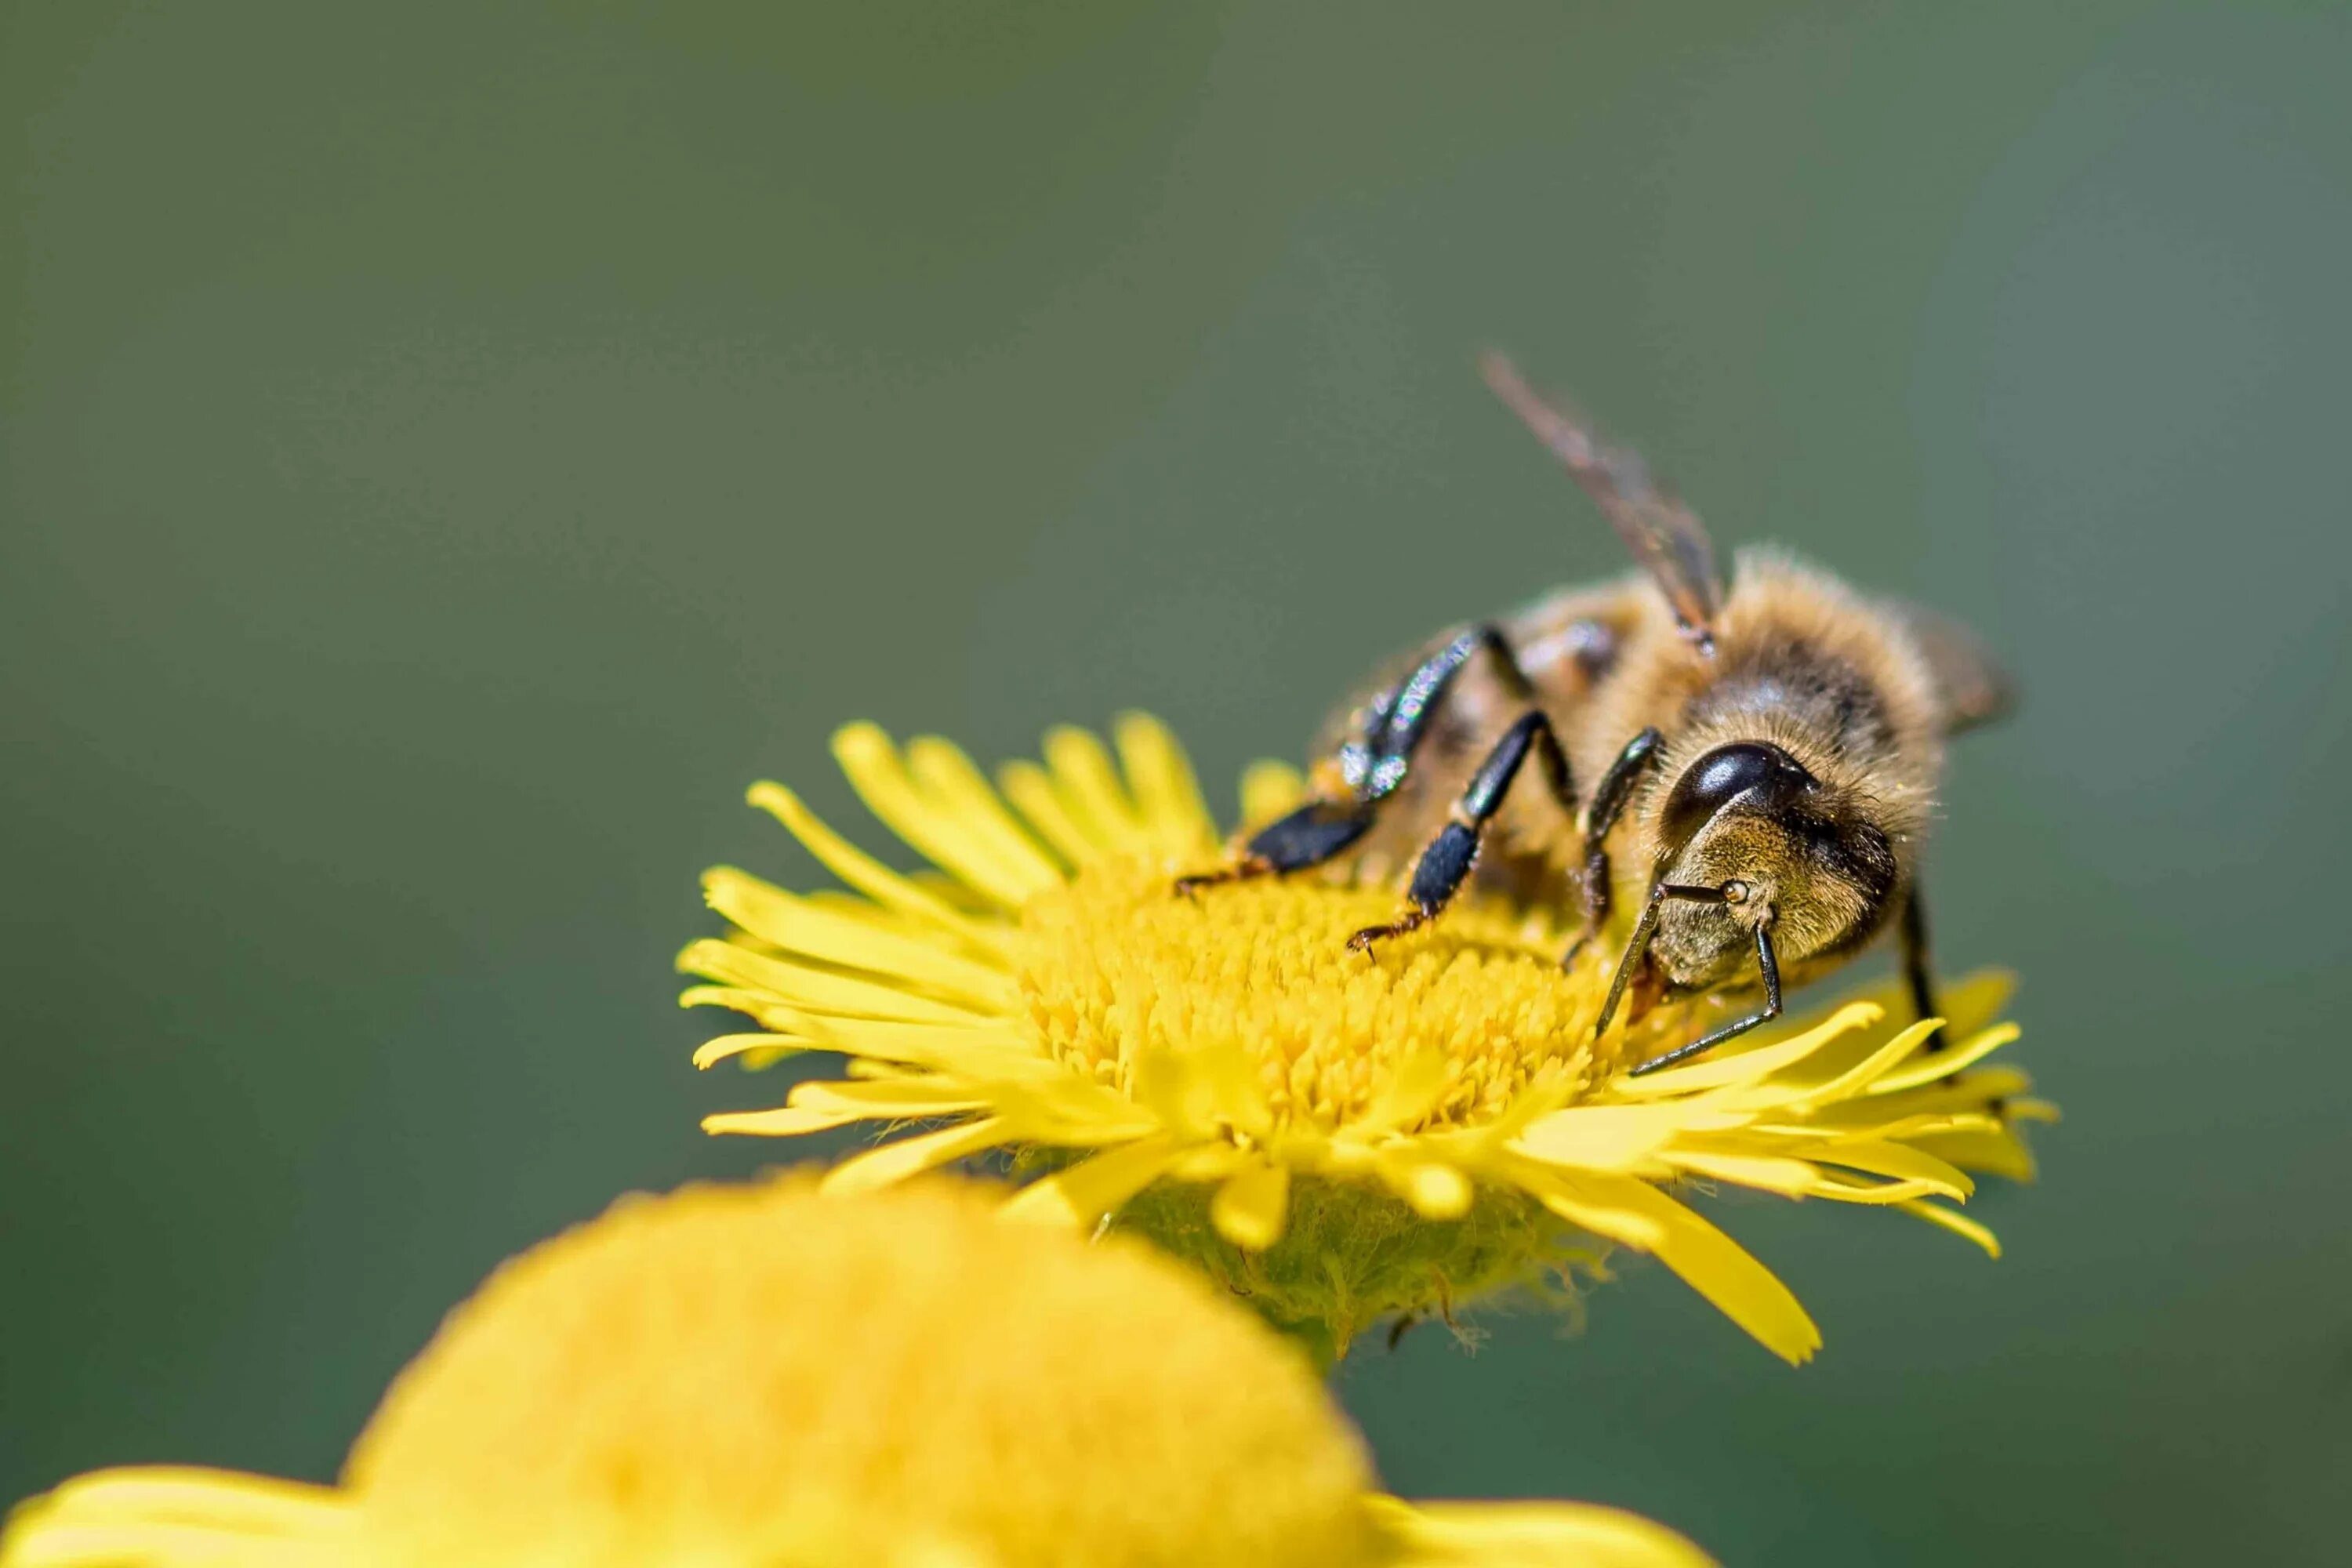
(1766, 757)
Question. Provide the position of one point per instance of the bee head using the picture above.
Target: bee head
(1784, 848)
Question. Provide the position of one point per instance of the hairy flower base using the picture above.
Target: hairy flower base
(765, 1377)
(1352, 1256)
(1051, 994)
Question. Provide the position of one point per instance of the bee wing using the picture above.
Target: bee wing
(1665, 536)
(1970, 688)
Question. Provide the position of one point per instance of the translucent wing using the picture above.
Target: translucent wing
(1665, 536)
(1970, 689)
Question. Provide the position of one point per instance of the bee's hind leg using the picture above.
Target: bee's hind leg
(1445, 865)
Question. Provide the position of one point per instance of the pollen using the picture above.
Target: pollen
(1113, 971)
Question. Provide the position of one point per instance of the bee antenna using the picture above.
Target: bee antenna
(1664, 535)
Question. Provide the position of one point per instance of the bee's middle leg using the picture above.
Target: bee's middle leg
(1445, 864)
(1375, 762)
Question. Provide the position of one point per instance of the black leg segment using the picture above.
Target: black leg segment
(1445, 864)
(1610, 798)
(1374, 765)
(1319, 831)
(1638, 944)
(1916, 974)
(1770, 966)
(1377, 763)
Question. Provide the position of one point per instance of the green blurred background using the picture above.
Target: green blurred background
(449, 451)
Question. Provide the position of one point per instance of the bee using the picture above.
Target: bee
(1766, 757)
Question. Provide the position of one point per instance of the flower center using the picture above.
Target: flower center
(1116, 968)
(738, 1377)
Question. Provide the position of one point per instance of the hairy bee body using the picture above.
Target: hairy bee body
(1800, 660)
(1763, 758)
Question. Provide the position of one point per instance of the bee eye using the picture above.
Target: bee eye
(1754, 769)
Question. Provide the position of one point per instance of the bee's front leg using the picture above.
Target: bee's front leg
(1768, 966)
(1610, 798)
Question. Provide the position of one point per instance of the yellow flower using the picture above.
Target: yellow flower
(760, 1376)
(1340, 1137)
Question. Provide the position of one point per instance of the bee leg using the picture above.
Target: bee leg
(1639, 942)
(1445, 864)
(1916, 974)
(1609, 797)
(1771, 1010)
(1319, 831)
(1374, 765)
(1377, 761)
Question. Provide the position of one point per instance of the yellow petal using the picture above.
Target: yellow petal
(1166, 793)
(1412, 1090)
(783, 1121)
(717, 1050)
(879, 775)
(1934, 1065)
(43, 1544)
(1435, 1189)
(756, 1005)
(1030, 790)
(800, 926)
(1954, 1222)
(818, 1106)
(986, 1051)
(188, 1494)
(829, 993)
(1089, 789)
(1766, 1173)
(895, 1161)
(865, 873)
(1248, 1207)
(1901, 1162)
(1527, 1535)
(1201, 1092)
(1070, 1112)
(1996, 1151)
(1604, 1137)
(1710, 1262)
(1086, 1192)
(1638, 1231)
(1794, 1090)
(1719, 1069)
(958, 790)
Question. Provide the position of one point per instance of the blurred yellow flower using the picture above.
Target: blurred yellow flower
(761, 1376)
(1341, 1138)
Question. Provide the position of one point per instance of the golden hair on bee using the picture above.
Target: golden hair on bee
(1764, 758)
